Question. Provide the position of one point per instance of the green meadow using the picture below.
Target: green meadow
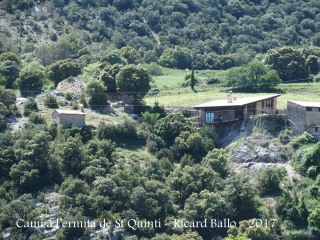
(173, 94)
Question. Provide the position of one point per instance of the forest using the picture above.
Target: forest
(146, 162)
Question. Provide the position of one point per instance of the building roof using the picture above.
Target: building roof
(238, 102)
(69, 112)
(306, 104)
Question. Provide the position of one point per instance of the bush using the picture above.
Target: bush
(213, 81)
(83, 101)
(30, 106)
(285, 136)
(154, 143)
(269, 180)
(68, 96)
(303, 139)
(127, 129)
(97, 92)
(150, 118)
(36, 119)
(154, 69)
(31, 79)
(51, 101)
(63, 69)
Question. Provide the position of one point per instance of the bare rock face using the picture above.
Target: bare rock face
(76, 86)
(259, 147)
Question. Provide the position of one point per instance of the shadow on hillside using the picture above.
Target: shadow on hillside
(130, 144)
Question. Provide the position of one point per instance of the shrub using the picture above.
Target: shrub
(31, 79)
(30, 106)
(285, 136)
(68, 96)
(96, 90)
(154, 69)
(186, 160)
(213, 81)
(63, 69)
(217, 160)
(150, 118)
(303, 139)
(36, 119)
(51, 101)
(127, 129)
(154, 143)
(186, 113)
(83, 101)
(269, 180)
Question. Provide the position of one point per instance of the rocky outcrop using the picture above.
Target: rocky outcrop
(75, 86)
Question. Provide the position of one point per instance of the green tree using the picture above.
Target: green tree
(10, 71)
(7, 97)
(185, 236)
(51, 101)
(108, 81)
(123, 5)
(25, 177)
(253, 77)
(292, 210)
(30, 106)
(97, 93)
(20, 208)
(130, 54)
(193, 81)
(69, 156)
(269, 180)
(31, 78)
(63, 69)
(314, 220)
(217, 160)
(134, 81)
(7, 155)
(193, 144)
(177, 57)
(313, 64)
(241, 197)
(169, 127)
(113, 57)
(288, 62)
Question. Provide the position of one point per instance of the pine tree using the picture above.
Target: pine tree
(193, 81)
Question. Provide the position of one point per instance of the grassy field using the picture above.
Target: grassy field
(172, 94)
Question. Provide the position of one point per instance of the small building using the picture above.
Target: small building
(233, 109)
(68, 117)
(304, 116)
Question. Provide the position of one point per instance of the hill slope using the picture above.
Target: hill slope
(202, 29)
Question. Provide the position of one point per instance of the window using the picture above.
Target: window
(209, 117)
(269, 103)
(309, 109)
(316, 129)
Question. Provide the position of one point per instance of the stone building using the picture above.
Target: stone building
(233, 109)
(304, 116)
(68, 117)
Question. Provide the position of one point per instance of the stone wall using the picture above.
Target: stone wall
(67, 119)
(296, 115)
(302, 120)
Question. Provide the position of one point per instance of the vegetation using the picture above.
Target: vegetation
(162, 166)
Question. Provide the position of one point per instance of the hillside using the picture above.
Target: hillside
(99, 139)
(214, 34)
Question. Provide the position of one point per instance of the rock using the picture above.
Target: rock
(241, 154)
(262, 154)
(134, 116)
(76, 87)
(118, 104)
(128, 109)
